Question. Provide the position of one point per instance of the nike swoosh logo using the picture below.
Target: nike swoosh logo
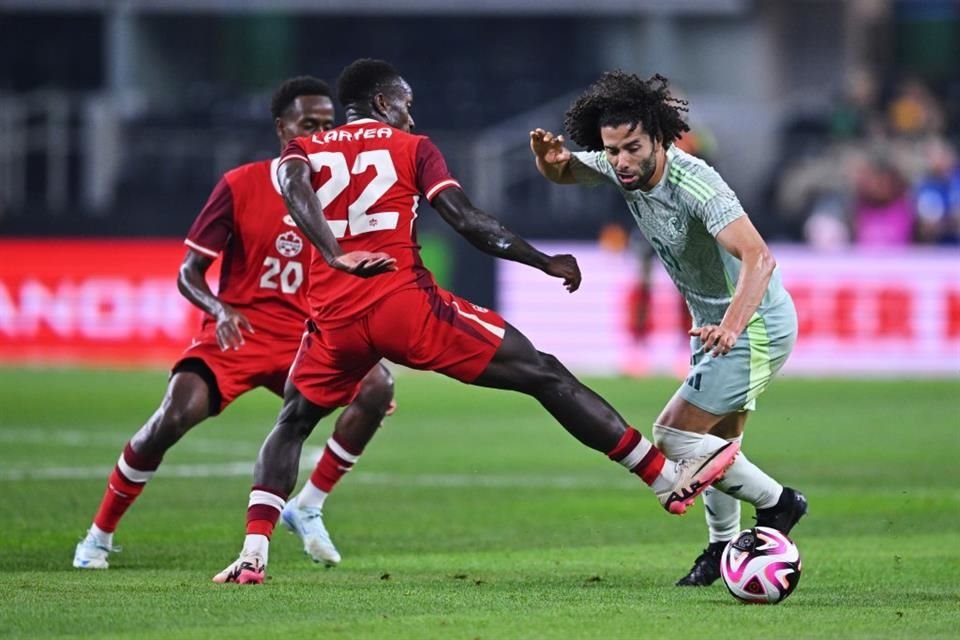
(287, 220)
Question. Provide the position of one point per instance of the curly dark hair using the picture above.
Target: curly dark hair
(293, 88)
(362, 79)
(624, 98)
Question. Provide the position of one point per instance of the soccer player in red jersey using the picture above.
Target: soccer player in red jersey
(252, 328)
(363, 182)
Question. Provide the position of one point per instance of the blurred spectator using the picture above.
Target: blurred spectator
(883, 214)
(857, 114)
(937, 196)
(915, 111)
(828, 225)
(873, 176)
(699, 140)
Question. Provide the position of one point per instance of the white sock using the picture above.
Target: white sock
(311, 496)
(723, 515)
(101, 537)
(743, 480)
(746, 481)
(682, 445)
(256, 544)
(634, 452)
(722, 512)
(666, 478)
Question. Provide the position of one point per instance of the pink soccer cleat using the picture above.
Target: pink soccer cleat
(243, 570)
(695, 475)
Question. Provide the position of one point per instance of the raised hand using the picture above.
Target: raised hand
(364, 264)
(548, 147)
(566, 267)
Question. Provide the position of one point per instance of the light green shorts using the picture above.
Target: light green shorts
(731, 383)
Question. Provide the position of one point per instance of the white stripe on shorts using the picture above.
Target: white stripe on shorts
(492, 328)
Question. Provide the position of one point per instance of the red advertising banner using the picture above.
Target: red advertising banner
(115, 303)
(861, 312)
(101, 302)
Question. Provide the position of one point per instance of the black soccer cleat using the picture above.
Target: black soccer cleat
(706, 568)
(784, 515)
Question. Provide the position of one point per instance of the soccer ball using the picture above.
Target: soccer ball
(760, 566)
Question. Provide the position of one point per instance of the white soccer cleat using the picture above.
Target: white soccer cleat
(307, 524)
(247, 569)
(91, 554)
(695, 475)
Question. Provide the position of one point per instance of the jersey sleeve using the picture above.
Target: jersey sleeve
(717, 204)
(212, 228)
(432, 173)
(591, 168)
(295, 149)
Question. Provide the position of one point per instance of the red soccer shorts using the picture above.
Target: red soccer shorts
(263, 361)
(429, 329)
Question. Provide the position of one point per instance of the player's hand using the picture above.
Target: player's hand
(548, 147)
(364, 264)
(566, 267)
(229, 323)
(718, 340)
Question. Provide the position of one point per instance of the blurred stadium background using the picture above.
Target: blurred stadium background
(836, 122)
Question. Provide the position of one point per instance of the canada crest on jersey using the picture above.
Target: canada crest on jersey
(289, 244)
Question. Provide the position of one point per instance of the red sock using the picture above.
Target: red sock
(638, 455)
(125, 484)
(335, 461)
(263, 510)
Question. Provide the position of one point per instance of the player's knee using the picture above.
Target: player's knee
(553, 366)
(295, 426)
(173, 422)
(376, 390)
(297, 418)
(549, 371)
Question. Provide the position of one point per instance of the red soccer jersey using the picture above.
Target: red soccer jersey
(369, 177)
(264, 271)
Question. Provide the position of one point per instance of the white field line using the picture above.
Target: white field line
(244, 469)
(207, 470)
(103, 439)
(372, 478)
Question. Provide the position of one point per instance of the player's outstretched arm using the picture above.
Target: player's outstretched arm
(552, 158)
(305, 209)
(192, 282)
(487, 234)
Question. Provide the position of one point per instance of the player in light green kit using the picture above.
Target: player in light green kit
(745, 324)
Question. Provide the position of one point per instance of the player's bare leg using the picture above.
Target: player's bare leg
(359, 422)
(274, 477)
(518, 366)
(185, 404)
(279, 457)
(355, 427)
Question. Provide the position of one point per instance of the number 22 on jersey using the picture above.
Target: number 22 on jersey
(359, 219)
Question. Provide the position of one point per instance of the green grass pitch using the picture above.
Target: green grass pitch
(473, 515)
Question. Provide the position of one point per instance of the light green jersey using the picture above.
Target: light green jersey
(681, 217)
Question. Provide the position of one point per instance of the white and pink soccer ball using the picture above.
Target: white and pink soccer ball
(760, 566)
